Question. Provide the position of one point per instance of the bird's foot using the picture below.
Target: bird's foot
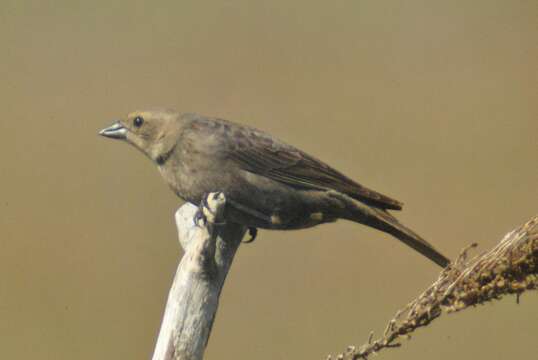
(204, 212)
(199, 218)
(253, 232)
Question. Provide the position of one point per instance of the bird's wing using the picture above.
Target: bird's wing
(258, 153)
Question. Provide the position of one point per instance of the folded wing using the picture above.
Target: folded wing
(263, 155)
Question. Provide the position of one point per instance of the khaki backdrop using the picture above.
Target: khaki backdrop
(433, 103)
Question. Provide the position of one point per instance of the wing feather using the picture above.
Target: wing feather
(259, 153)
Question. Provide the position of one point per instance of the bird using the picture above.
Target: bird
(267, 183)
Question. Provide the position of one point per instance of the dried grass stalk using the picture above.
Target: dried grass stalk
(511, 267)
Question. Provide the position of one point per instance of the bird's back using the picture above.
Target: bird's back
(260, 153)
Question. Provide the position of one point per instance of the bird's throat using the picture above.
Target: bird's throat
(162, 158)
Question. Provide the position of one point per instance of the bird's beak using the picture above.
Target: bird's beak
(114, 131)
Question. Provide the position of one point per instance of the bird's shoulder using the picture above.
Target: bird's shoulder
(234, 135)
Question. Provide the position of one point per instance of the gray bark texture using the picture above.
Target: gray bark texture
(194, 297)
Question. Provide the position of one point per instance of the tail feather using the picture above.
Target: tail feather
(382, 220)
(411, 239)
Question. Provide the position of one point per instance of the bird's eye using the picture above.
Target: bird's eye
(138, 121)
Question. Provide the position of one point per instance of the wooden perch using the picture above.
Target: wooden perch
(194, 296)
(511, 267)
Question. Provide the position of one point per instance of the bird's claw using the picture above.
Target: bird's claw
(200, 217)
(253, 232)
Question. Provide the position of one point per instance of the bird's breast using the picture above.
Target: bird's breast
(191, 180)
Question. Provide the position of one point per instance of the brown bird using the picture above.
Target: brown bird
(267, 183)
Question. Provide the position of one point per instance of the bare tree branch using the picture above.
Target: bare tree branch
(511, 267)
(194, 296)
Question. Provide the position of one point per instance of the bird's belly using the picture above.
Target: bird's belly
(261, 202)
(252, 200)
(265, 215)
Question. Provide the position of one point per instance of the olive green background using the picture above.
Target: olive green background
(432, 102)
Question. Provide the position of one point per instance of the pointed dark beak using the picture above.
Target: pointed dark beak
(114, 131)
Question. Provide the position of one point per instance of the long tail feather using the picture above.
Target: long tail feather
(382, 220)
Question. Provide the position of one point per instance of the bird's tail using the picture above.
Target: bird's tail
(380, 219)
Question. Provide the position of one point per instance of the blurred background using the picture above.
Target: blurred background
(432, 103)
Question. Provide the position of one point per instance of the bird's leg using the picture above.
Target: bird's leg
(253, 232)
(204, 211)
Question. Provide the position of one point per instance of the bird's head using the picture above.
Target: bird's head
(152, 132)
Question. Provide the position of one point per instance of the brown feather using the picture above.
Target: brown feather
(264, 155)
